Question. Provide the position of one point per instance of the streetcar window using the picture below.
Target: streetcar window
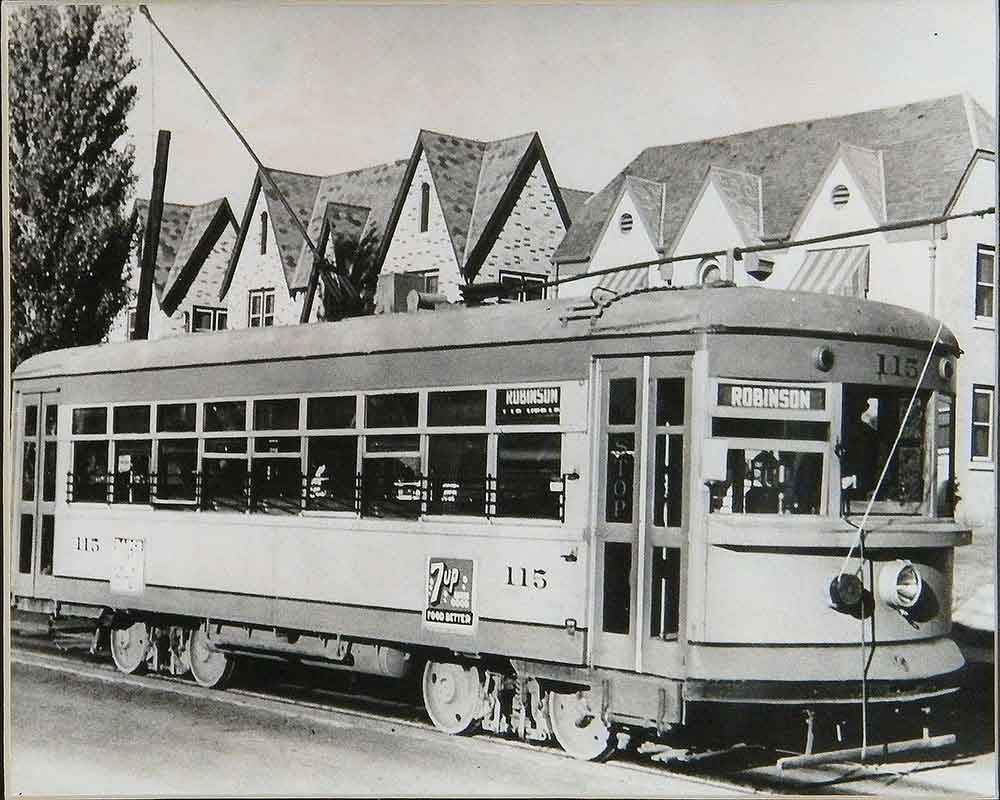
(229, 415)
(130, 419)
(665, 580)
(754, 428)
(272, 415)
(131, 481)
(276, 484)
(51, 420)
(47, 544)
(761, 481)
(617, 605)
(175, 417)
(24, 545)
(49, 472)
(331, 412)
(30, 420)
(233, 444)
(391, 410)
(333, 465)
(944, 443)
(620, 477)
(457, 474)
(668, 480)
(456, 408)
(393, 443)
(90, 420)
(90, 471)
(527, 466)
(872, 418)
(224, 484)
(391, 487)
(28, 472)
(670, 401)
(621, 401)
(277, 444)
(177, 463)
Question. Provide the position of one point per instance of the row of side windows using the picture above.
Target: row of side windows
(217, 456)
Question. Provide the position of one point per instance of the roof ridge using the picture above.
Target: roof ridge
(791, 123)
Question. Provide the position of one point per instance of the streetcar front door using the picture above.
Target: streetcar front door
(34, 490)
(640, 518)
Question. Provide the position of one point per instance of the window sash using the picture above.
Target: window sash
(982, 424)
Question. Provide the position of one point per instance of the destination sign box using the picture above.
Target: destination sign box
(786, 398)
(533, 405)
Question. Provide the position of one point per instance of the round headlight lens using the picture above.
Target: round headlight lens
(900, 584)
(846, 591)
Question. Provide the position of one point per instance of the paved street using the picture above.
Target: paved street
(102, 735)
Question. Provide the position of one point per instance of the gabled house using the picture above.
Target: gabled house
(469, 210)
(269, 270)
(193, 251)
(805, 180)
(457, 210)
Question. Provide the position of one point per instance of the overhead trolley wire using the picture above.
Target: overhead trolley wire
(264, 170)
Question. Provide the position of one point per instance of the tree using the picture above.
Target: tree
(70, 238)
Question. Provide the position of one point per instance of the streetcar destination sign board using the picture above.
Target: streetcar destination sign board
(531, 405)
(792, 398)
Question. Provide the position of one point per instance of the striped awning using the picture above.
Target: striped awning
(841, 270)
(626, 280)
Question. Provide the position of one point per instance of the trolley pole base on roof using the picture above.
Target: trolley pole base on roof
(873, 752)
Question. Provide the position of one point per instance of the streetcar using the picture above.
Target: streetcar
(593, 522)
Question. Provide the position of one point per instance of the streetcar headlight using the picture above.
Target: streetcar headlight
(846, 591)
(900, 584)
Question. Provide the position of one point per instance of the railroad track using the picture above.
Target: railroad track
(306, 694)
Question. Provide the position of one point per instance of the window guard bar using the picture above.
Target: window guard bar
(490, 497)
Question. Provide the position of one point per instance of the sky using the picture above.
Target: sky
(323, 88)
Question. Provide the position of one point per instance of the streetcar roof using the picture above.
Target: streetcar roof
(654, 312)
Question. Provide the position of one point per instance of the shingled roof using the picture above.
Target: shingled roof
(477, 184)
(187, 235)
(574, 200)
(925, 149)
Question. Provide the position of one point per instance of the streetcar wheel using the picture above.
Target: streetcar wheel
(129, 647)
(578, 727)
(452, 695)
(210, 668)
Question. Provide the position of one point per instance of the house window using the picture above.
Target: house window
(524, 285)
(985, 291)
(625, 223)
(263, 232)
(425, 206)
(429, 281)
(130, 322)
(261, 308)
(204, 318)
(840, 195)
(709, 272)
(982, 423)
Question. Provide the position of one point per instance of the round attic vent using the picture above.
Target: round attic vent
(625, 223)
(840, 195)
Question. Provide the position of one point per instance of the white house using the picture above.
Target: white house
(194, 249)
(456, 211)
(806, 180)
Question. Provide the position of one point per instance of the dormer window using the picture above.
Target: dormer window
(625, 223)
(840, 195)
(425, 207)
(263, 232)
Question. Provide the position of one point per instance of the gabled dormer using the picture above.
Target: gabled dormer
(469, 210)
(850, 194)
